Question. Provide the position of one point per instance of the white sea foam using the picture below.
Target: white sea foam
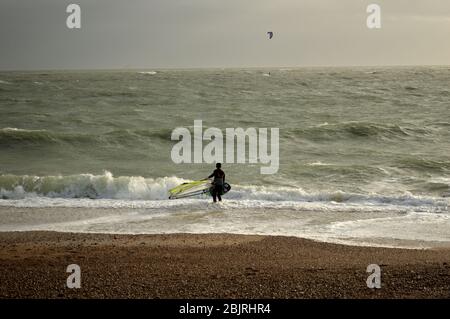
(388, 228)
(138, 205)
(15, 129)
(148, 72)
(86, 186)
(127, 189)
(318, 163)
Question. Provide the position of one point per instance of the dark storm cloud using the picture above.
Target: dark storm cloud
(211, 33)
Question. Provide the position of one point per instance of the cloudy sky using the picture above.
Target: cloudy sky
(228, 33)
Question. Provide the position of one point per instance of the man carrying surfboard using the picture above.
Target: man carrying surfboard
(218, 182)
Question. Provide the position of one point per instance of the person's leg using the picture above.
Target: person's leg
(219, 192)
(214, 193)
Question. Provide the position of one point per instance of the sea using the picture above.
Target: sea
(364, 152)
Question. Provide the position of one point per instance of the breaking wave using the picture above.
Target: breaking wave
(106, 186)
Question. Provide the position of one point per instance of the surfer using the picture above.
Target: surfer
(218, 182)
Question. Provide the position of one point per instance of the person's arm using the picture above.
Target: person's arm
(224, 177)
(211, 175)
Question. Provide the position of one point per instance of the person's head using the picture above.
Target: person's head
(218, 165)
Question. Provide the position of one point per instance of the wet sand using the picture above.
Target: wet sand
(33, 265)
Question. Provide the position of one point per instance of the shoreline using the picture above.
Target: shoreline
(212, 266)
(142, 220)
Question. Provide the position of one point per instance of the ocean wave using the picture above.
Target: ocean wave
(318, 163)
(135, 188)
(280, 194)
(424, 164)
(445, 124)
(16, 137)
(91, 186)
(357, 129)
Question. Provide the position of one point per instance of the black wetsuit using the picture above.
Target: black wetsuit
(219, 180)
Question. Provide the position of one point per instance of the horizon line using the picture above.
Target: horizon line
(222, 67)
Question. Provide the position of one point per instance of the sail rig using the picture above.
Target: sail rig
(190, 189)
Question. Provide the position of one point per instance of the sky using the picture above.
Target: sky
(146, 34)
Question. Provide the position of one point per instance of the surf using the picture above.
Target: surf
(129, 191)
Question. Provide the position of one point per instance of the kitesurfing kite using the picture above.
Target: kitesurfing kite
(270, 34)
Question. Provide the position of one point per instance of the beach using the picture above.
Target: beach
(33, 265)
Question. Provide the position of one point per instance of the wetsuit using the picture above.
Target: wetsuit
(219, 180)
